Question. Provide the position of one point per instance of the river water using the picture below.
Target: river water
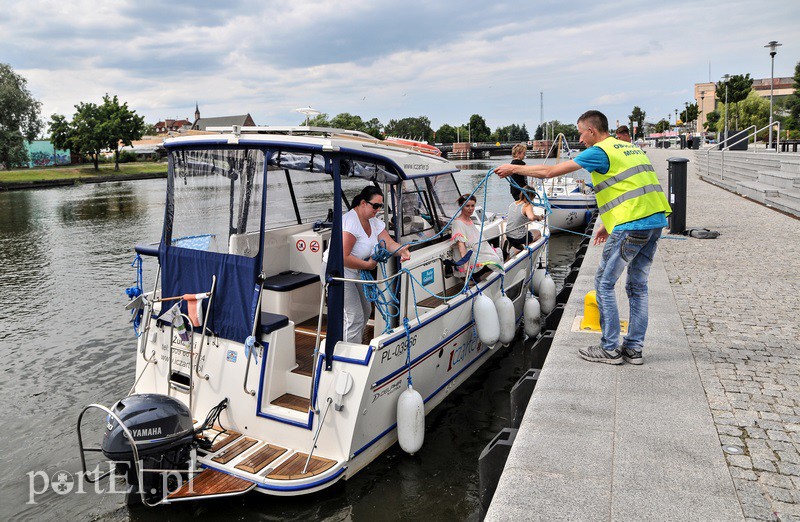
(65, 342)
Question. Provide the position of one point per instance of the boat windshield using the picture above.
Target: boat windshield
(214, 195)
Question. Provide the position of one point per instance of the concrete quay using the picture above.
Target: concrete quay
(602, 442)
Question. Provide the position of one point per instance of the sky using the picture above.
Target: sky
(445, 60)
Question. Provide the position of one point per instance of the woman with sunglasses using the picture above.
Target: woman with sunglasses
(361, 232)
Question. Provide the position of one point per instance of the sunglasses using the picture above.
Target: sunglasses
(376, 206)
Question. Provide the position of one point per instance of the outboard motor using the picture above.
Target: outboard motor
(162, 429)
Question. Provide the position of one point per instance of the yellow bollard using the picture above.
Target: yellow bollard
(591, 313)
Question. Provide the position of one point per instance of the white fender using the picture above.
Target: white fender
(547, 294)
(410, 420)
(507, 319)
(486, 321)
(538, 277)
(533, 319)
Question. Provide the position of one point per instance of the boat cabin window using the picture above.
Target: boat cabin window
(300, 188)
(214, 195)
(445, 194)
(417, 212)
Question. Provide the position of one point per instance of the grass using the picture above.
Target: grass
(79, 171)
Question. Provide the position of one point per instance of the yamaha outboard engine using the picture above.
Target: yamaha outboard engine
(162, 429)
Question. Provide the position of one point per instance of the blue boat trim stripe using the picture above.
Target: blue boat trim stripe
(393, 426)
(403, 369)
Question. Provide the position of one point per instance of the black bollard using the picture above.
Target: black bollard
(563, 296)
(491, 463)
(521, 395)
(677, 194)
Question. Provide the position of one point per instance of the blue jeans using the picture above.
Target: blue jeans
(634, 249)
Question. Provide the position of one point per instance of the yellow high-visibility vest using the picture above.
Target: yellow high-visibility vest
(630, 189)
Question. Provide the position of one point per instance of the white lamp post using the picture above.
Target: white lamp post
(726, 78)
(773, 50)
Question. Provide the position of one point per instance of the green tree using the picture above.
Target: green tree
(636, 119)
(348, 121)
(792, 103)
(754, 111)
(539, 134)
(569, 130)
(83, 135)
(412, 128)
(662, 126)
(511, 133)
(689, 114)
(478, 130)
(19, 117)
(319, 120)
(446, 134)
(374, 128)
(120, 125)
(712, 118)
(739, 87)
(149, 129)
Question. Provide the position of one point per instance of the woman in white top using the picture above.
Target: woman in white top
(361, 231)
(520, 213)
(466, 236)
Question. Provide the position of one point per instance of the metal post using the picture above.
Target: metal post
(726, 78)
(700, 121)
(677, 194)
(773, 50)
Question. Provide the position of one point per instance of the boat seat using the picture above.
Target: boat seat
(289, 280)
(271, 322)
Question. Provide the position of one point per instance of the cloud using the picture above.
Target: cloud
(384, 59)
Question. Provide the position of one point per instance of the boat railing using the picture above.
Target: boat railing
(137, 463)
(323, 296)
(249, 352)
(173, 384)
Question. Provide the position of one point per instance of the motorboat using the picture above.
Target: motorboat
(243, 381)
(571, 199)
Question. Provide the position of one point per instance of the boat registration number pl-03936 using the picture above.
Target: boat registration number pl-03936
(397, 350)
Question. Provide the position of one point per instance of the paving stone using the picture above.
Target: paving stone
(748, 361)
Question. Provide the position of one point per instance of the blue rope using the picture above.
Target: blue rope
(408, 349)
(135, 291)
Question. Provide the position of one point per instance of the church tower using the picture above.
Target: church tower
(196, 112)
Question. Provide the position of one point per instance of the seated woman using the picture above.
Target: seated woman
(361, 231)
(466, 236)
(520, 213)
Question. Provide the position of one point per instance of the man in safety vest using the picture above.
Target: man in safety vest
(633, 210)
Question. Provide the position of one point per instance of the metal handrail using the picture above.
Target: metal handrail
(171, 385)
(131, 440)
(317, 343)
(205, 323)
(249, 354)
(316, 435)
(747, 137)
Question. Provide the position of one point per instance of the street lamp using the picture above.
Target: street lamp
(700, 121)
(726, 78)
(773, 50)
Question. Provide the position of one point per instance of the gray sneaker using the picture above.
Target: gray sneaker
(598, 354)
(631, 356)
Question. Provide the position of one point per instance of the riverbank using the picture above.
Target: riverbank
(21, 179)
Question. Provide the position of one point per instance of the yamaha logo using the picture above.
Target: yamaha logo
(146, 432)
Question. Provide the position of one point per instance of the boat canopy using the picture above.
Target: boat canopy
(225, 191)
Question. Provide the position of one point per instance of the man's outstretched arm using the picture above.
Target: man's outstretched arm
(538, 171)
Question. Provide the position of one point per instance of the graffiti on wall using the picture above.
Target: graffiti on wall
(43, 154)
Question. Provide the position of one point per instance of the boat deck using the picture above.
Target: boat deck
(237, 463)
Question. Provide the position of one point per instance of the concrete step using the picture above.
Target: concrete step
(790, 206)
(792, 195)
(778, 178)
(756, 191)
(727, 184)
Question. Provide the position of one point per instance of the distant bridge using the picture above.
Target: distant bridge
(478, 150)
